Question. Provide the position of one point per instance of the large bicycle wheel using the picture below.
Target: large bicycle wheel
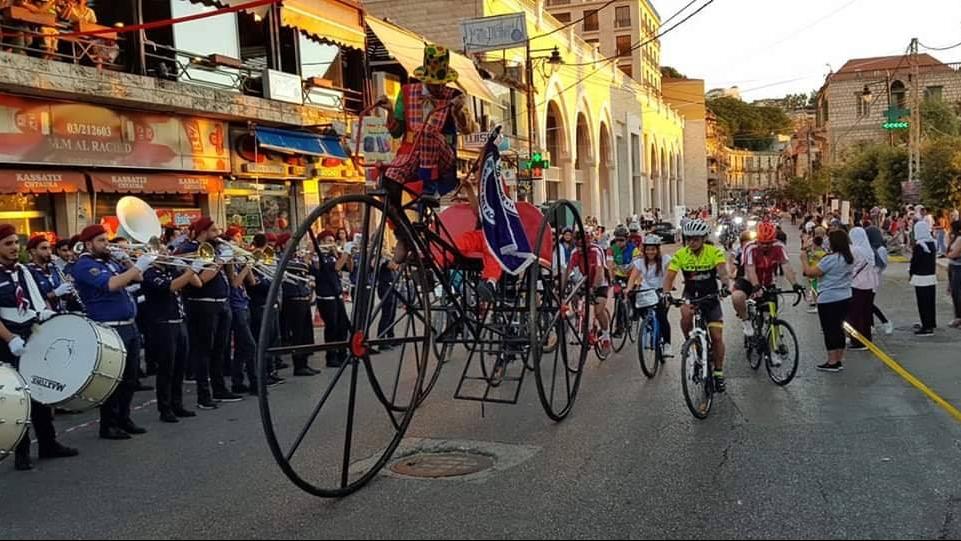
(558, 331)
(331, 434)
(783, 353)
(698, 391)
(621, 324)
(648, 346)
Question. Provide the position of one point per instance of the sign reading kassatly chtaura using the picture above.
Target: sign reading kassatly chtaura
(77, 134)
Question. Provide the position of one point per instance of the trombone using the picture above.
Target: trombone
(263, 262)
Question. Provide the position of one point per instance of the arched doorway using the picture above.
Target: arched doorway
(608, 201)
(583, 161)
(554, 141)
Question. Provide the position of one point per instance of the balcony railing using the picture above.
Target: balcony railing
(48, 41)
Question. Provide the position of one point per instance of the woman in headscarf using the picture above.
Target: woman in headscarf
(924, 277)
(864, 282)
(881, 262)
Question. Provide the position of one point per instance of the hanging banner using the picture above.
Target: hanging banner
(78, 134)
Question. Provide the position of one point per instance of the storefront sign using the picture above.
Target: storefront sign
(41, 132)
(494, 33)
(156, 183)
(39, 181)
(178, 217)
(377, 145)
(283, 86)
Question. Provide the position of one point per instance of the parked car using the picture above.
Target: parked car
(666, 231)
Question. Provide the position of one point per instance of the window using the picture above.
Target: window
(933, 93)
(899, 93)
(623, 45)
(593, 42)
(627, 69)
(591, 22)
(579, 191)
(864, 104)
(563, 17)
(558, 2)
(553, 190)
(622, 17)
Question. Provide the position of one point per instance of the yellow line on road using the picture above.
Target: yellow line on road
(907, 376)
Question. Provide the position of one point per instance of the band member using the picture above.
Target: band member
(164, 313)
(101, 281)
(295, 317)
(258, 302)
(326, 269)
(243, 358)
(56, 291)
(64, 256)
(208, 321)
(21, 306)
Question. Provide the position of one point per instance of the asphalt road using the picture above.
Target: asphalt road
(860, 454)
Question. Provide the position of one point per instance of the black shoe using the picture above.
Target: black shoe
(719, 385)
(924, 332)
(240, 389)
(113, 433)
(206, 405)
(183, 412)
(142, 387)
(226, 396)
(22, 462)
(826, 367)
(169, 417)
(305, 371)
(129, 427)
(56, 450)
(274, 379)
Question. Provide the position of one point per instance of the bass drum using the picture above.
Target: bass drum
(14, 409)
(71, 362)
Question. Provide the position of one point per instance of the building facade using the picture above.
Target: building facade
(687, 96)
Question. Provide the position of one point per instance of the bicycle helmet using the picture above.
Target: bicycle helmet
(634, 227)
(766, 232)
(696, 228)
(620, 232)
(653, 240)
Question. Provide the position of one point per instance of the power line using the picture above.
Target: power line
(639, 45)
(572, 23)
(669, 19)
(948, 48)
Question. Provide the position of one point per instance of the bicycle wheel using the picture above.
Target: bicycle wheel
(698, 392)
(647, 347)
(316, 431)
(558, 327)
(621, 325)
(783, 352)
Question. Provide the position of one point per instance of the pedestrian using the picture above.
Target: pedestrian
(924, 277)
(834, 274)
(881, 263)
(954, 271)
(941, 228)
(864, 282)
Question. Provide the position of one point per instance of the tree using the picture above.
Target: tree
(941, 173)
(671, 73)
(793, 102)
(806, 190)
(750, 126)
(856, 177)
(938, 119)
(892, 171)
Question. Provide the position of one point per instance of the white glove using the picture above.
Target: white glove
(65, 288)
(120, 255)
(16, 346)
(226, 252)
(45, 314)
(197, 266)
(144, 262)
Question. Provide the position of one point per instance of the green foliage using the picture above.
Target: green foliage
(752, 127)
(941, 173)
(671, 73)
(892, 171)
(856, 176)
(807, 190)
(938, 119)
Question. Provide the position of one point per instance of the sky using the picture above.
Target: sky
(769, 48)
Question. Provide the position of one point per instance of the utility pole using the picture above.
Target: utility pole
(914, 139)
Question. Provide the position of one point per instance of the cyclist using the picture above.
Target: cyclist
(593, 265)
(761, 260)
(702, 265)
(621, 256)
(648, 272)
(635, 236)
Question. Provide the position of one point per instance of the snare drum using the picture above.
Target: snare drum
(14, 409)
(72, 363)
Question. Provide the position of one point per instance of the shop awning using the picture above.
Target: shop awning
(136, 182)
(340, 22)
(408, 49)
(41, 181)
(295, 142)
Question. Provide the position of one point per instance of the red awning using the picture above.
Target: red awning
(41, 181)
(136, 182)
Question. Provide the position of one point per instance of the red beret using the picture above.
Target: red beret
(6, 230)
(35, 241)
(232, 232)
(271, 237)
(326, 233)
(91, 232)
(282, 239)
(201, 224)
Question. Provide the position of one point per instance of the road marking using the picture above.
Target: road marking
(907, 376)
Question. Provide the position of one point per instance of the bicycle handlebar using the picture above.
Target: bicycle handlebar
(776, 291)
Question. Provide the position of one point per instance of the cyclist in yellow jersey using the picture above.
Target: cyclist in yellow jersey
(702, 265)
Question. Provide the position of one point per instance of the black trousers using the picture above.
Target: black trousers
(861, 313)
(388, 312)
(116, 409)
(298, 327)
(245, 348)
(149, 357)
(336, 326)
(170, 347)
(954, 272)
(41, 417)
(832, 316)
(208, 328)
(927, 303)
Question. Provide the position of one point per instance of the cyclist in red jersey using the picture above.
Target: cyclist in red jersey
(761, 260)
(594, 266)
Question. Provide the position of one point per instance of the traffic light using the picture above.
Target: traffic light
(899, 125)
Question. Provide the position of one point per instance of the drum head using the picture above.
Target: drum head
(60, 357)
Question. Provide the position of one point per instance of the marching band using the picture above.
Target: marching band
(199, 315)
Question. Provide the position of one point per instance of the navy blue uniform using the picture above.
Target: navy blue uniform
(164, 314)
(48, 279)
(245, 346)
(296, 323)
(330, 304)
(116, 309)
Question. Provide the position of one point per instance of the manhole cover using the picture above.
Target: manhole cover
(437, 465)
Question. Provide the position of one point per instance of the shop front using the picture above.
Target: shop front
(177, 198)
(34, 200)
